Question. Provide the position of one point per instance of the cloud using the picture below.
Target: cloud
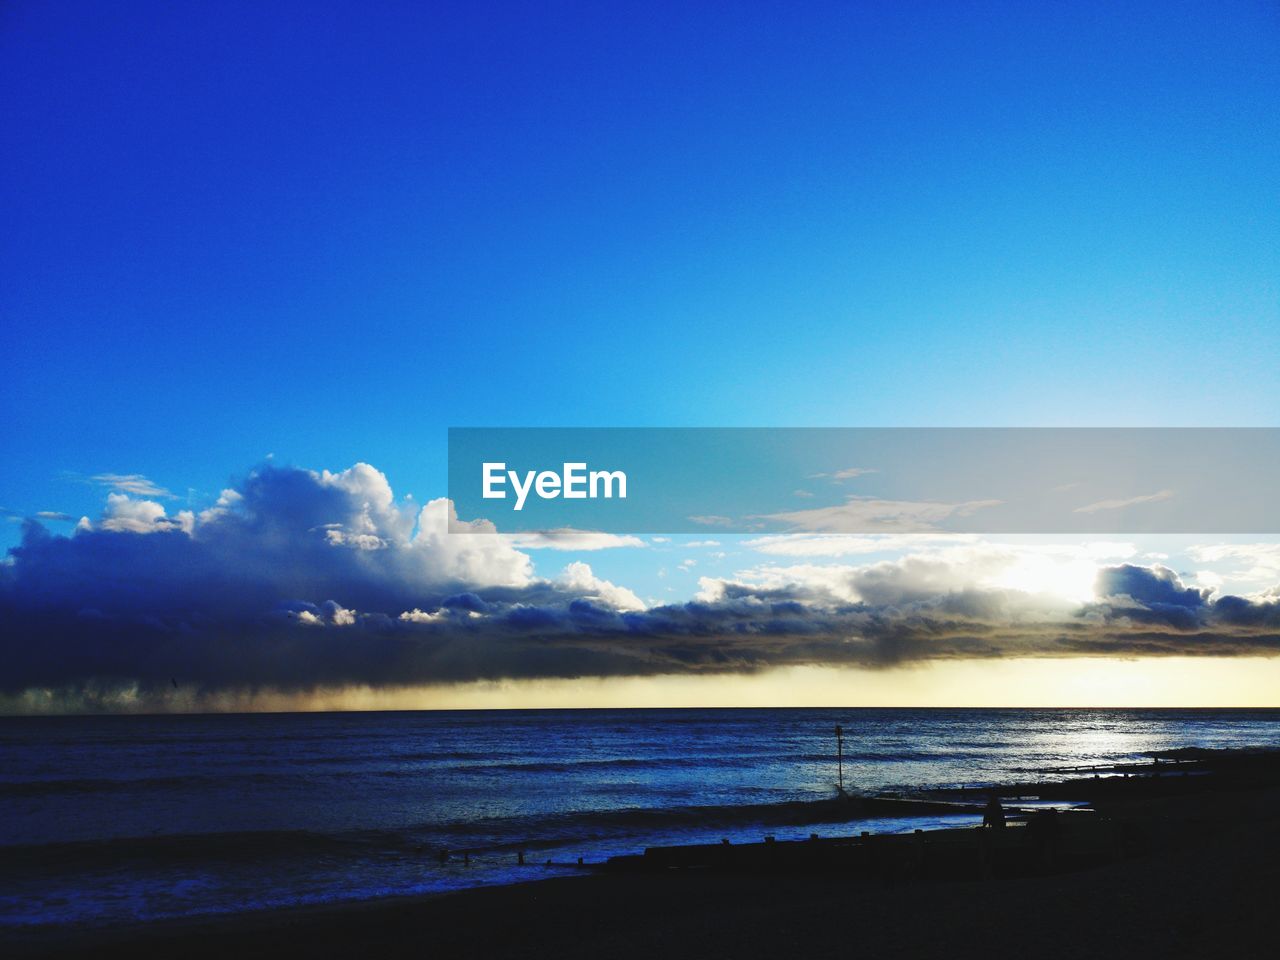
(303, 580)
(134, 483)
(327, 614)
(1129, 502)
(921, 608)
(868, 514)
(838, 475)
(217, 598)
(713, 520)
(422, 616)
(125, 515)
(1149, 587)
(1257, 563)
(578, 579)
(703, 543)
(16, 517)
(837, 545)
(566, 538)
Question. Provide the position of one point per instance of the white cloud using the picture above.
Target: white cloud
(567, 538)
(340, 616)
(1255, 564)
(579, 578)
(1055, 573)
(847, 474)
(866, 514)
(417, 543)
(373, 521)
(712, 520)
(134, 483)
(126, 515)
(359, 541)
(1209, 579)
(328, 614)
(1129, 502)
(421, 616)
(478, 557)
(226, 501)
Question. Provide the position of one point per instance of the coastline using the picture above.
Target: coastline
(1206, 886)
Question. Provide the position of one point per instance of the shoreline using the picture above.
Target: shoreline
(1203, 884)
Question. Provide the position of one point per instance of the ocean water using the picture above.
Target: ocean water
(115, 819)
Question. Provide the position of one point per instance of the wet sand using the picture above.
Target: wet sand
(1205, 886)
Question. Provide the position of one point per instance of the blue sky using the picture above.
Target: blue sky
(324, 234)
(327, 235)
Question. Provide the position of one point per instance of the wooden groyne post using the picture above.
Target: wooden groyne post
(840, 758)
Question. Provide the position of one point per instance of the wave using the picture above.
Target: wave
(429, 840)
(424, 764)
(203, 847)
(38, 788)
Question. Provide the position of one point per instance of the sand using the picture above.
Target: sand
(1210, 890)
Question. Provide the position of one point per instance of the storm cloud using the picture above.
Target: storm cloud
(296, 580)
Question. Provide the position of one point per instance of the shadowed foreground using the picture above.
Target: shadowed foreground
(1205, 887)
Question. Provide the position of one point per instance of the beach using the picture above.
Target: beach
(1181, 858)
(1209, 894)
(1125, 833)
(107, 821)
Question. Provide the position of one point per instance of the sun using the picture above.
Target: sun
(1061, 576)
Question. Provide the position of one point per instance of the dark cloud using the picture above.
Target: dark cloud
(1148, 586)
(297, 580)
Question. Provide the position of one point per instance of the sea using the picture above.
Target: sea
(120, 819)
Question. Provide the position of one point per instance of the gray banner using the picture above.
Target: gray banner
(866, 480)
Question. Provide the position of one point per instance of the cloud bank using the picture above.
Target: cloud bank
(300, 580)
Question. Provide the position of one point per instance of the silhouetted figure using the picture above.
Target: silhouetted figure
(993, 815)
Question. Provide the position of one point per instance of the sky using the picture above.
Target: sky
(251, 248)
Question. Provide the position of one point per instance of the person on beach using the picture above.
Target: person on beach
(993, 815)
